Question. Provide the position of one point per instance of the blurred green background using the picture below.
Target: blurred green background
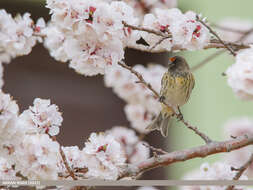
(212, 102)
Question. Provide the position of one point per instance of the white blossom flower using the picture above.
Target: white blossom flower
(7, 172)
(134, 149)
(42, 117)
(16, 36)
(40, 157)
(185, 30)
(139, 117)
(89, 34)
(75, 157)
(144, 6)
(240, 74)
(104, 157)
(238, 127)
(8, 116)
(140, 154)
(216, 171)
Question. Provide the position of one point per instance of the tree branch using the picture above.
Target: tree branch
(216, 35)
(139, 28)
(218, 53)
(187, 154)
(156, 94)
(240, 171)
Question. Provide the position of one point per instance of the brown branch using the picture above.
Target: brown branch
(140, 77)
(199, 133)
(187, 154)
(213, 44)
(218, 53)
(154, 149)
(216, 35)
(156, 94)
(158, 42)
(64, 159)
(139, 28)
(240, 171)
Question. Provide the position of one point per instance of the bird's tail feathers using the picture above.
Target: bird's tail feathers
(160, 123)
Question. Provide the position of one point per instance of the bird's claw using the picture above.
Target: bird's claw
(180, 116)
(161, 99)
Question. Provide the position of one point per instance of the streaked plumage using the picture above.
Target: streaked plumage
(176, 86)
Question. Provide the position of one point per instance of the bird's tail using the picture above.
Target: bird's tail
(161, 122)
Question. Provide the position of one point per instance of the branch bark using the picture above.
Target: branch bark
(187, 154)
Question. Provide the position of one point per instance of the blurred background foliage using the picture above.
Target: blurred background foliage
(212, 102)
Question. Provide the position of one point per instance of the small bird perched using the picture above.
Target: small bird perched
(176, 87)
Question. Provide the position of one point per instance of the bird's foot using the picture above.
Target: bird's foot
(161, 99)
(180, 116)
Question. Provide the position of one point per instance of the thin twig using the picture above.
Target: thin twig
(216, 35)
(154, 149)
(71, 173)
(140, 77)
(156, 32)
(240, 171)
(218, 53)
(195, 129)
(69, 170)
(187, 154)
(156, 94)
(157, 43)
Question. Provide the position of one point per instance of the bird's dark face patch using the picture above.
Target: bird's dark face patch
(177, 64)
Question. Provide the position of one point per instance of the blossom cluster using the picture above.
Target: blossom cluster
(142, 7)
(235, 128)
(16, 35)
(106, 155)
(90, 34)
(186, 32)
(29, 135)
(141, 106)
(216, 171)
(42, 118)
(240, 74)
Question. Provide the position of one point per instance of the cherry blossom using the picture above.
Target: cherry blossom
(16, 36)
(42, 118)
(216, 171)
(104, 156)
(89, 34)
(133, 148)
(240, 75)
(185, 30)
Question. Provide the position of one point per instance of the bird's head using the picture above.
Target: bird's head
(178, 63)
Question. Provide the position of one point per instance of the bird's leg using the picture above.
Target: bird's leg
(179, 115)
(161, 99)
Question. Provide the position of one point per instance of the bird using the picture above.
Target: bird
(176, 87)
